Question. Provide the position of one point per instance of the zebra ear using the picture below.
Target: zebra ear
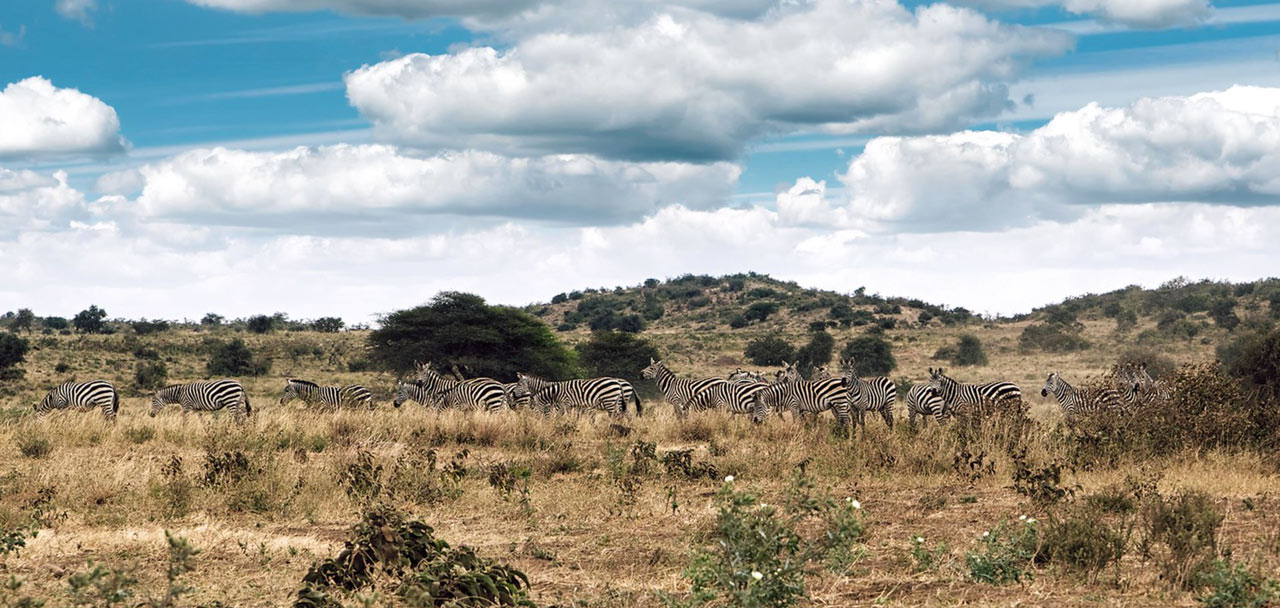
(651, 361)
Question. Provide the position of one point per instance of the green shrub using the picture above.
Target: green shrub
(1186, 526)
(760, 311)
(1255, 360)
(235, 359)
(1051, 338)
(1081, 539)
(90, 321)
(1006, 555)
(618, 355)
(926, 559)
(872, 355)
(145, 327)
(150, 374)
(1235, 586)
(13, 351)
(769, 350)
(817, 352)
(261, 324)
(329, 325)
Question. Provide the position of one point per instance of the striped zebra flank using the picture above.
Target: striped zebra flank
(923, 400)
(82, 396)
(411, 391)
(517, 398)
(677, 391)
(581, 394)
(205, 397)
(629, 395)
(473, 394)
(327, 396)
(733, 397)
(806, 397)
(746, 377)
(962, 398)
(1074, 401)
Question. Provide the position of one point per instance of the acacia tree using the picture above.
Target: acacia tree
(460, 329)
(92, 320)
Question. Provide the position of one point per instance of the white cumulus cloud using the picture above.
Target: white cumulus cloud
(367, 188)
(1216, 147)
(37, 118)
(696, 86)
(31, 201)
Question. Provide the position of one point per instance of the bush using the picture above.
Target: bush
(91, 320)
(150, 375)
(36, 446)
(1051, 338)
(1007, 553)
(968, 351)
(1223, 314)
(738, 322)
(328, 325)
(1159, 365)
(1235, 586)
(736, 284)
(261, 324)
(769, 350)
(619, 355)
(760, 311)
(56, 323)
(1255, 360)
(817, 352)
(1081, 539)
(1187, 527)
(23, 321)
(145, 327)
(872, 355)
(482, 340)
(13, 351)
(235, 359)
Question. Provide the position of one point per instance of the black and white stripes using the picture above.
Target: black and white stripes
(327, 396)
(679, 392)
(82, 395)
(1075, 401)
(205, 397)
(962, 398)
(473, 394)
(583, 394)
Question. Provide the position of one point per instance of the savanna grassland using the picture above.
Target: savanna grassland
(598, 515)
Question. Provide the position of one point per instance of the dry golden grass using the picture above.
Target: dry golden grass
(580, 539)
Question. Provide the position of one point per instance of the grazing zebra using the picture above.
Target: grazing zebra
(82, 396)
(1075, 401)
(874, 395)
(923, 400)
(958, 397)
(205, 397)
(588, 393)
(474, 394)
(745, 377)
(803, 396)
(734, 397)
(677, 391)
(327, 396)
(410, 391)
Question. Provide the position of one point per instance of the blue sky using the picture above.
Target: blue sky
(259, 81)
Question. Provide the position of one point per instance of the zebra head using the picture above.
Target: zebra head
(790, 372)
(821, 373)
(651, 372)
(163, 397)
(847, 366)
(425, 372)
(402, 393)
(51, 400)
(1051, 384)
(297, 389)
(937, 379)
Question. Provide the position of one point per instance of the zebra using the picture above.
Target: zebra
(82, 395)
(475, 393)
(677, 391)
(595, 393)
(327, 396)
(1074, 401)
(629, 395)
(874, 395)
(735, 397)
(923, 400)
(958, 397)
(790, 372)
(746, 377)
(205, 397)
(411, 391)
(1140, 386)
(803, 396)
(516, 397)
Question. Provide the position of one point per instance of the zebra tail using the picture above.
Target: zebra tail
(115, 404)
(639, 408)
(248, 409)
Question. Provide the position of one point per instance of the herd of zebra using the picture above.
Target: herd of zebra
(846, 395)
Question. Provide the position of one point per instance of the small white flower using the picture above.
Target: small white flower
(986, 534)
(764, 505)
(757, 575)
(728, 478)
(920, 539)
(1022, 518)
(856, 504)
(1031, 521)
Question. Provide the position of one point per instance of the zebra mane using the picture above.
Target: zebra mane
(304, 383)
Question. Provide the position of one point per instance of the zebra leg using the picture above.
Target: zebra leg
(887, 415)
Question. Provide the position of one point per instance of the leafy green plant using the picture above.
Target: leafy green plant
(1081, 539)
(1006, 555)
(34, 445)
(926, 559)
(101, 586)
(1233, 585)
(1186, 526)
